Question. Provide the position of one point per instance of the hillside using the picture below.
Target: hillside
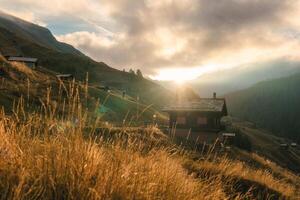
(48, 155)
(19, 81)
(18, 37)
(50, 146)
(34, 33)
(272, 104)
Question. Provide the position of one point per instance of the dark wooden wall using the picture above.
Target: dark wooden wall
(213, 120)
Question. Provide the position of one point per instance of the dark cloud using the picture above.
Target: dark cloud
(229, 15)
(208, 27)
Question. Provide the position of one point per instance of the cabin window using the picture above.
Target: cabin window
(202, 121)
(181, 120)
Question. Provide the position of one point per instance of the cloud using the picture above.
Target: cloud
(84, 38)
(67, 15)
(156, 34)
(28, 16)
(168, 34)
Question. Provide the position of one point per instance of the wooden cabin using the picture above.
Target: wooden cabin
(200, 118)
(29, 62)
(65, 77)
(293, 144)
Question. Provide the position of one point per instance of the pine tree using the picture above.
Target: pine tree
(131, 71)
(139, 73)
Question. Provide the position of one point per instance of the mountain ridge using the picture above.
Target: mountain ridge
(270, 104)
(35, 33)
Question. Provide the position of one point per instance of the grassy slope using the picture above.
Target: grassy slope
(49, 157)
(14, 84)
(127, 108)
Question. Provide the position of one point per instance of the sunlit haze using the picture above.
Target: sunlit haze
(181, 75)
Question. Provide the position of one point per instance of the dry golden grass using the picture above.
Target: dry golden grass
(64, 165)
(2, 59)
(233, 169)
(59, 153)
(276, 169)
(22, 68)
(19, 71)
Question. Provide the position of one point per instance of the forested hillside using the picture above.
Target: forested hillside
(274, 105)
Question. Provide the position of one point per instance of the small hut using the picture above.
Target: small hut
(65, 77)
(293, 144)
(29, 62)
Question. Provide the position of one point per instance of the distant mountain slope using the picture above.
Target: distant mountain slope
(273, 104)
(242, 77)
(18, 37)
(34, 33)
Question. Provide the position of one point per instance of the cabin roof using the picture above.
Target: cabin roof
(22, 59)
(201, 105)
(64, 75)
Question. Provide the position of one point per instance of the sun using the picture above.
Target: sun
(177, 75)
(180, 81)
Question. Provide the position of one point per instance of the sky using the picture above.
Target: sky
(171, 39)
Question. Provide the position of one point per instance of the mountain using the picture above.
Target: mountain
(34, 33)
(242, 77)
(18, 37)
(272, 104)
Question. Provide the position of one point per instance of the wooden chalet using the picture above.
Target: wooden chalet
(65, 77)
(30, 62)
(200, 118)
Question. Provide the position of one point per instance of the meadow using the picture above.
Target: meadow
(60, 150)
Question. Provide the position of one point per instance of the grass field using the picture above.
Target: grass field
(51, 154)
